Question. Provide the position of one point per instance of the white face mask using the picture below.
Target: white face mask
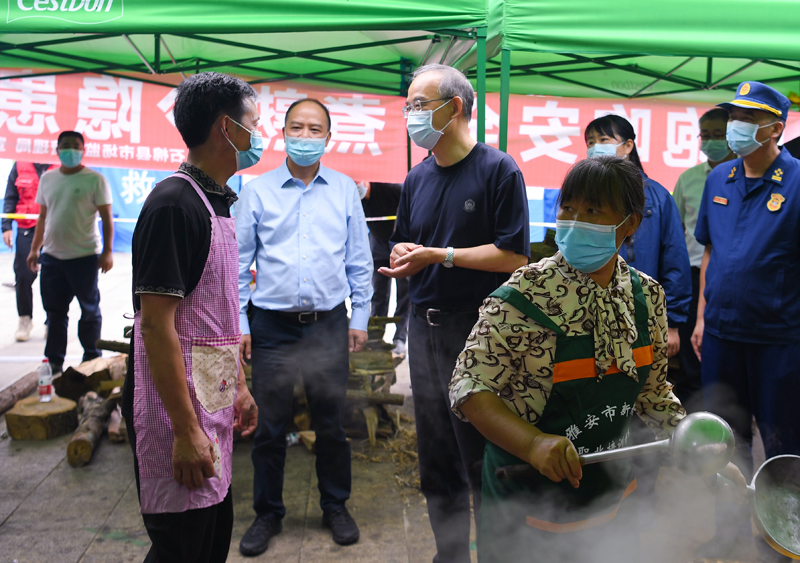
(602, 150)
(420, 128)
(741, 136)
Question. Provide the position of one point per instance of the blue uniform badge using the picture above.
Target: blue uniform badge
(775, 202)
(777, 176)
(721, 200)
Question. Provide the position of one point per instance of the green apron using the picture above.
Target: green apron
(595, 415)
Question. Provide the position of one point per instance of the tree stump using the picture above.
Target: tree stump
(75, 382)
(31, 420)
(94, 415)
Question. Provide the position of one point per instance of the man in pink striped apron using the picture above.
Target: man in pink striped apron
(185, 393)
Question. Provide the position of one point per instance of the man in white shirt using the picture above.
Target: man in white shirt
(69, 199)
(688, 194)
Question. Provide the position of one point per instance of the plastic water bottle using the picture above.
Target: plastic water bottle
(292, 439)
(45, 382)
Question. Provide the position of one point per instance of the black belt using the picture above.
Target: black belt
(434, 316)
(307, 317)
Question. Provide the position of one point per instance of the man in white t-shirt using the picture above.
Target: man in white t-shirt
(69, 199)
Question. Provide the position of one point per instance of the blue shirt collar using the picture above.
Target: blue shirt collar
(287, 180)
(774, 173)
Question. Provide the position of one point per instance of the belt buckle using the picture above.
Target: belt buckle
(300, 317)
(428, 316)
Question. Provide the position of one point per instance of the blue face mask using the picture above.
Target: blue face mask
(250, 157)
(741, 136)
(602, 150)
(70, 158)
(420, 128)
(587, 247)
(305, 151)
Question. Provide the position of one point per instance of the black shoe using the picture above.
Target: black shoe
(256, 539)
(342, 525)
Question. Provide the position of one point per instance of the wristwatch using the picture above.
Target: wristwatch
(448, 259)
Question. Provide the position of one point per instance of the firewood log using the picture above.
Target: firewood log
(95, 413)
(76, 381)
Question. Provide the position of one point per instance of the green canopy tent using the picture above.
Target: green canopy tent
(697, 50)
(358, 44)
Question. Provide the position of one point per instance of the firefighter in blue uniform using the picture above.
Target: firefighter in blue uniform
(748, 317)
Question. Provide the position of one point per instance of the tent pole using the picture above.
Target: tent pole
(505, 89)
(481, 32)
(157, 52)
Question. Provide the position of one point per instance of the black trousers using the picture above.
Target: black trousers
(382, 288)
(688, 386)
(23, 275)
(61, 282)
(450, 451)
(202, 535)
(282, 350)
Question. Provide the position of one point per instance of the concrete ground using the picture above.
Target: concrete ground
(50, 512)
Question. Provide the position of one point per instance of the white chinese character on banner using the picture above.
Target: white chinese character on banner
(591, 421)
(626, 410)
(3, 144)
(143, 153)
(554, 128)
(612, 445)
(34, 101)
(572, 432)
(582, 450)
(682, 132)
(598, 449)
(23, 145)
(166, 104)
(109, 106)
(640, 120)
(161, 154)
(272, 109)
(354, 123)
(609, 412)
(109, 151)
(126, 152)
(136, 185)
(41, 146)
(491, 121)
(176, 155)
(53, 147)
(92, 150)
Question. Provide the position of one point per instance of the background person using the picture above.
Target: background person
(462, 228)
(185, 392)
(748, 316)
(23, 183)
(381, 199)
(303, 225)
(688, 194)
(70, 199)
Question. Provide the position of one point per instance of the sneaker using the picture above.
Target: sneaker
(24, 329)
(399, 348)
(342, 525)
(256, 539)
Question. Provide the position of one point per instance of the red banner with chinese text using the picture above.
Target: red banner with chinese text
(129, 124)
(545, 134)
